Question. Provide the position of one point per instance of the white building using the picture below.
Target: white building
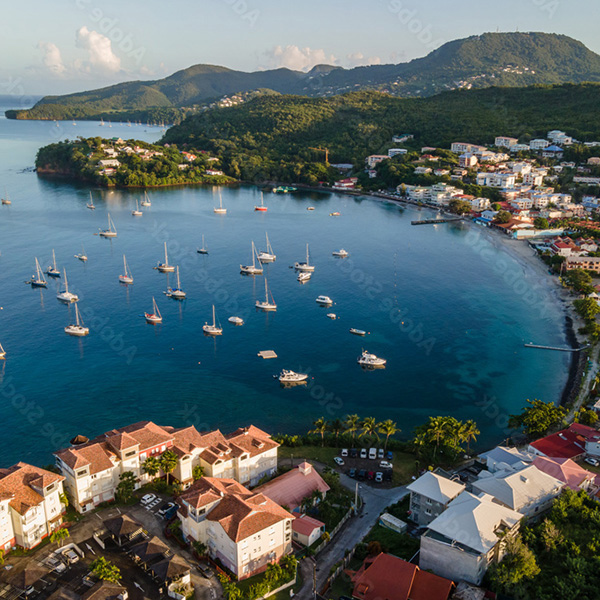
(505, 142)
(373, 160)
(501, 458)
(112, 163)
(480, 204)
(468, 161)
(396, 151)
(430, 496)
(538, 144)
(497, 180)
(464, 148)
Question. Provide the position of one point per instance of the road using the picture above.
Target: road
(586, 386)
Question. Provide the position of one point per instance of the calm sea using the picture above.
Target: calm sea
(439, 307)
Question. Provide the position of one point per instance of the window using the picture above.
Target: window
(128, 454)
(272, 543)
(429, 501)
(272, 531)
(50, 487)
(163, 448)
(81, 473)
(427, 512)
(287, 537)
(245, 544)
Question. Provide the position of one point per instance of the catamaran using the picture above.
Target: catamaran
(127, 277)
(52, 270)
(37, 280)
(370, 360)
(78, 328)
(204, 249)
(146, 200)
(165, 267)
(82, 256)
(266, 305)
(2, 353)
(111, 232)
(67, 297)
(304, 266)
(154, 317)
(91, 204)
(220, 210)
(268, 255)
(252, 269)
(137, 212)
(177, 292)
(261, 207)
(212, 329)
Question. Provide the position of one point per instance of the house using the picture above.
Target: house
(391, 578)
(568, 443)
(467, 537)
(588, 263)
(346, 184)
(497, 180)
(480, 204)
(520, 148)
(30, 505)
(538, 144)
(397, 151)
(505, 142)
(553, 152)
(430, 496)
(373, 160)
(189, 156)
(306, 530)
(528, 490)
(468, 161)
(214, 172)
(441, 172)
(244, 530)
(423, 171)
(570, 473)
(560, 137)
(535, 179)
(403, 137)
(565, 247)
(109, 162)
(462, 148)
(594, 161)
(591, 436)
(500, 458)
(292, 488)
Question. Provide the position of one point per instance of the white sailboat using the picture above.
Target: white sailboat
(6, 200)
(52, 270)
(204, 249)
(212, 329)
(177, 292)
(268, 255)
(91, 204)
(267, 305)
(37, 280)
(82, 256)
(2, 353)
(153, 317)
(165, 267)
(137, 212)
(127, 277)
(67, 297)
(146, 200)
(220, 210)
(78, 329)
(304, 266)
(111, 232)
(252, 269)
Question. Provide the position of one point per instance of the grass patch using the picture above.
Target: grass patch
(399, 544)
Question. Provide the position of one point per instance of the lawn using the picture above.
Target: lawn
(399, 544)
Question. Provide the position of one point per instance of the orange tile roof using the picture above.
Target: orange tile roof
(305, 525)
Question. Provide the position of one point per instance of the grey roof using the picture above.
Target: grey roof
(438, 488)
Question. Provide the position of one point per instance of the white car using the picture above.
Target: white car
(344, 452)
(380, 453)
(363, 453)
(592, 461)
(148, 498)
(378, 477)
(71, 555)
(384, 464)
(372, 453)
(339, 461)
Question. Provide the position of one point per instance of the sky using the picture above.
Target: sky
(62, 46)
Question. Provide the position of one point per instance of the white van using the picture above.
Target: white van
(372, 452)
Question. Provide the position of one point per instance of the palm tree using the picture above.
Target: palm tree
(369, 427)
(388, 428)
(468, 433)
(437, 429)
(352, 423)
(336, 427)
(321, 427)
(59, 536)
(168, 462)
(151, 466)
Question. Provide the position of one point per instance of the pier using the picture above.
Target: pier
(436, 221)
(557, 349)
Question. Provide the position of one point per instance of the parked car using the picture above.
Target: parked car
(166, 508)
(353, 453)
(338, 461)
(362, 474)
(148, 498)
(352, 473)
(384, 464)
(363, 453)
(204, 570)
(344, 452)
(592, 461)
(380, 453)
(372, 452)
(378, 477)
(71, 555)
(371, 475)
(389, 455)
(387, 475)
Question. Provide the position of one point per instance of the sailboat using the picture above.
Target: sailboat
(266, 305)
(111, 232)
(137, 212)
(261, 207)
(165, 267)
(101, 122)
(304, 266)
(268, 255)
(127, 277)
(38, 280)
(78, 329)
(220, 210)
(252, 269)
(146, 200)
(2, 353)
(91, 204)
(6, 201)
(67, 297)
(154, 317)
(82, 256)
(204, 249)
(52, 270)
(177, 292)
(212, 329)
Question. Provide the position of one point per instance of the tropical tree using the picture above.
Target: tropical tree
(437, 430)
(168, 462)
(352, 423)
(105, 570)
(321, 427)
(58, 536)
(1, 556)
(388, 428)
(64, 499)
(198, 472)
(518, 567)
(369, 427)
(126, 485)
(336, 427)
(468, 433)
(151, 466)
(539, 418)
(200, 548)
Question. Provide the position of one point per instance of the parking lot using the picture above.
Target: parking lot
(372, 465)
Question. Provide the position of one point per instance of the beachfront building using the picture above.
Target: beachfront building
(467, 537)
(244, 530)
(568, 443)
(30, 505)
(430, 496)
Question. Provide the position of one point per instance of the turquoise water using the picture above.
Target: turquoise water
(455, 348)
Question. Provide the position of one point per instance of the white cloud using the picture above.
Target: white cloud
(358, 59)
(52, 58)
(101, 57)
(298, 59)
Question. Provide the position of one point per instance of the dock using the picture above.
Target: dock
(556, 349)
(436, 221)
(267, 354)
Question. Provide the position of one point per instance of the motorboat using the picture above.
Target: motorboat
(82, 256)
(292, 377)
(325, 300)
(358, 331)
(303, 276)
(370, 360)
(310, 208)
(236, 320)
(332, 316)
(335, 214)
(77, 329)
(340, 253)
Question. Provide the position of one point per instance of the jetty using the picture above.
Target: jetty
(557, 349)
(436, 221)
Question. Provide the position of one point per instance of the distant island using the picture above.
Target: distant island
(119, 163)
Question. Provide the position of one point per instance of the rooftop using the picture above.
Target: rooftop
(438, 488)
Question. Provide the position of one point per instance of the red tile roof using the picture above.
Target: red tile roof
(568, 443)
(305, 525)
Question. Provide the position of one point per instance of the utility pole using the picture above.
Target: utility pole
(326, 150)
(356, 499)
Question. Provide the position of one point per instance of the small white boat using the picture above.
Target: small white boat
(2, 353)
(213, 329)
(82, 256)
(38, 280)
(137, 212)
(292, 377)
(236, 320)
(165, 267)
(310, 208)
(153, 317)
(146, 200)
(358, 332)
(252, 269)
(5, 200)
(220, 210)
(177, 292)
(325, 300)
(91, 204)
(304, 266)
(268, 255)
(261, 207)
(52, 270)
(127, 277)
(78, 328)
(332, 316)
(111, 232)
(340, 253)
(370, 360)
(335, 214)
(303, 277)
(67, 297)
(204, 249)
(267, 305)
